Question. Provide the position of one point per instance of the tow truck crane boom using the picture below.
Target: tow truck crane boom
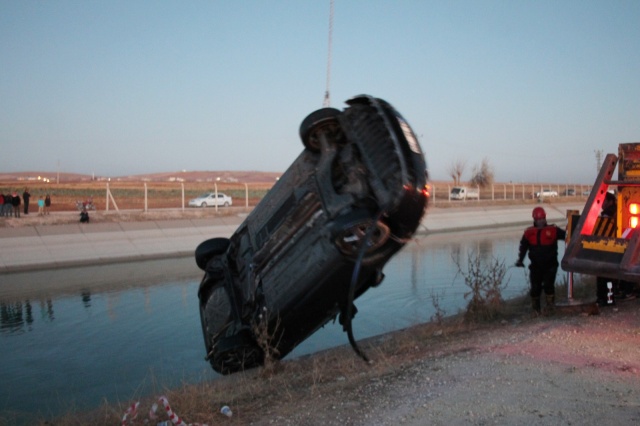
(609, 247)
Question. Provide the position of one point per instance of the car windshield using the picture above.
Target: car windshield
(204, 195)
(455, 190)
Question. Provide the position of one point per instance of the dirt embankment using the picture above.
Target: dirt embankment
(578, 367)
(574, 368)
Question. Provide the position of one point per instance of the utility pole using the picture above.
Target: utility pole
(598, 153)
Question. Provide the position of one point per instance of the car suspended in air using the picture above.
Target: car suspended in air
(318, 240)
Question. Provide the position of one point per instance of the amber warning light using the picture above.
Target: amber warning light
(634, 210)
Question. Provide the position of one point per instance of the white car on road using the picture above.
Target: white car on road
(209, 200)
(546, 193)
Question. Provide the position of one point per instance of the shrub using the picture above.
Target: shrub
(486, 281)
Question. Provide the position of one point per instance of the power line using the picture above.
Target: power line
(327, 98)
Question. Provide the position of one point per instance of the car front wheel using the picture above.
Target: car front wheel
(325, 119)
(209, 248)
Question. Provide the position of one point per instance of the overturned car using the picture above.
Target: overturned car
(318, 239)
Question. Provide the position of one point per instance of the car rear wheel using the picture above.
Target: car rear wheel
(322, 120)
(236, 353)
(209, 248)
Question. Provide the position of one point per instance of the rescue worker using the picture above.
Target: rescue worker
(541, 242)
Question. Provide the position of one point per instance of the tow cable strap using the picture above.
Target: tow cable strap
(352, 287)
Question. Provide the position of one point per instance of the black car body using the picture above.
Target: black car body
(318, 239)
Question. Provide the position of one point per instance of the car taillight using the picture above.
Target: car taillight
(426, 191)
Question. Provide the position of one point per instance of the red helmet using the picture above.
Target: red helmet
(539, 213)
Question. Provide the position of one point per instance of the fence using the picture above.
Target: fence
(147, 196)
(441, 193)
(136, 195)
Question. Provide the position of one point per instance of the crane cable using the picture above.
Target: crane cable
(327, 98)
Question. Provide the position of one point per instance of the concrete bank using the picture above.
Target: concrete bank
(38, 247)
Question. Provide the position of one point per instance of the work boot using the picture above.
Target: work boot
(535, 305)
(550, 309)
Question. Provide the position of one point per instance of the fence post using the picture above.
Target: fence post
(182, 185)
(246, 196)
(145, 198)
(215, 186)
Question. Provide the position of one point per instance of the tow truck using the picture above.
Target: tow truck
(608, 247)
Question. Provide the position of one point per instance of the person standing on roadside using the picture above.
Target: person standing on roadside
(7, 206)
(41, 206)
(541, 242)
(15, 201)
(25, 198)
(47, 204)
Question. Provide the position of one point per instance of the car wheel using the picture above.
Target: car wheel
(236, 353)
(226, 204)
(325, 119)
(203, 205)
(207, 249)
(349, 241)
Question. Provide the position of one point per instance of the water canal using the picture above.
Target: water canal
(76, 337)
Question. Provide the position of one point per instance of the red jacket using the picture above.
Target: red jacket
(542, 245)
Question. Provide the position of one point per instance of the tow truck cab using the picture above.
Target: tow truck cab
(609, 247)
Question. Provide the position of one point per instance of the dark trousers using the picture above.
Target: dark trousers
(542, 278)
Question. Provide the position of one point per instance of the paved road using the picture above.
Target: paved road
(40, 247)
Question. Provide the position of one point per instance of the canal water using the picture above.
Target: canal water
(71, 339)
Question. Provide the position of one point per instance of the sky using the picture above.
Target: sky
(114, 88)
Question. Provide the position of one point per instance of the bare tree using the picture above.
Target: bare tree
(456, 169)
(483, 174)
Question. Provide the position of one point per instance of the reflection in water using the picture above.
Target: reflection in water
(17, 317)
(86, 298)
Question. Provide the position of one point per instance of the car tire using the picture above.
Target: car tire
(320, 119)
(203, 205)
(209, 248)
(226, 204)
(236, 353)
